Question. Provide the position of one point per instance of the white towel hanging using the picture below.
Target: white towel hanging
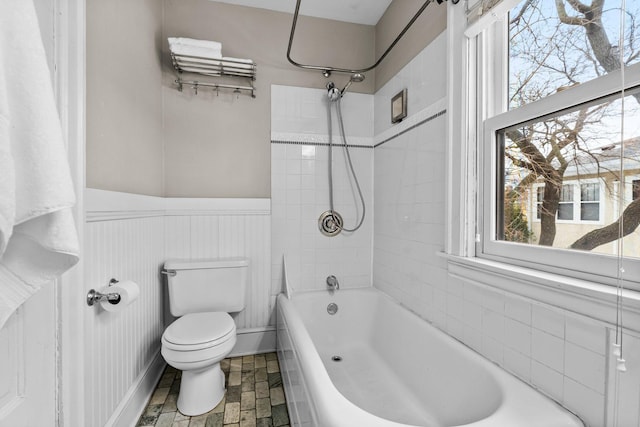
(38, 239)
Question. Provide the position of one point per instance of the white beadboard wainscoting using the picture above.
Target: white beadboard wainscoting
(128, 237)
(222, 235)
(120, 348)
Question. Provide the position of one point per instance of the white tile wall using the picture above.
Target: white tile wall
(300, 189)
(409, 193)
(410, 188)
(560, 353)
(300, 114)
(425, 78)
(626, 412)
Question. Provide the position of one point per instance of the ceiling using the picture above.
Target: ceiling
(357, 11)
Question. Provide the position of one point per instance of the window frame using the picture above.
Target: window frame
(490, 74)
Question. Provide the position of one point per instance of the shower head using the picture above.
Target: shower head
(355, 78)
(334, 93)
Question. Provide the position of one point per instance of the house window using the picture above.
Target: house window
(589, 202)
(551, 99)
(635, 189)
(579, 202)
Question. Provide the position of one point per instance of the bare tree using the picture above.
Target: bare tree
(574, 47)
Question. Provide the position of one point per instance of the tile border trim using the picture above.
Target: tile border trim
(317, 144)
(420, 123)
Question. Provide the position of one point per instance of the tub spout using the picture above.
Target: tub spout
(332, 283)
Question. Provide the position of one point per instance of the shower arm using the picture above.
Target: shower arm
(328, 70)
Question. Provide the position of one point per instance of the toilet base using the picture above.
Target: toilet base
(201, 390)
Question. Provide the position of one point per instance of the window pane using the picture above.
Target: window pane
(590, 192)
(566, 195)
(590, 211)
(549, 54)
(565, 211)
(563, 175)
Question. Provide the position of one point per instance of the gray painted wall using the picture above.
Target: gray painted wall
(427, 27)
(145, 137)
(124, 97)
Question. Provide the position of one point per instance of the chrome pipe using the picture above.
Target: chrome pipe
(328, 70)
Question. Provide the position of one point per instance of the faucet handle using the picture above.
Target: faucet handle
(332, 282)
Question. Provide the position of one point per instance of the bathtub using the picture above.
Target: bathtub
(374, 363)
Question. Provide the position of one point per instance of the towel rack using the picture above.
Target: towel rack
(214, 68)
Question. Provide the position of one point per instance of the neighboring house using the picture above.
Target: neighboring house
(590, 197)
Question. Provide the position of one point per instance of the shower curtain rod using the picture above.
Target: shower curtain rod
(326, 69)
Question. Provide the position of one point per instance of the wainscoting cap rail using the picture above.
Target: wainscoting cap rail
(103, 205)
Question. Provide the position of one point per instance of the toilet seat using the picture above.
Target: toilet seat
(199, 331)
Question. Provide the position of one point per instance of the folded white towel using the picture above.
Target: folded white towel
(209, 44)
(38, 239)
(194, 47)
(238, 63)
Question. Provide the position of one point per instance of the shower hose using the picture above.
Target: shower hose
(348, 155)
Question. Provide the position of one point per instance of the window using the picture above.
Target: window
(635, 189)
(579, 202)
(565, 206)
(589, 202)
(561, 130)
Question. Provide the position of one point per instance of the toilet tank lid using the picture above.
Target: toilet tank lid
(198, 264)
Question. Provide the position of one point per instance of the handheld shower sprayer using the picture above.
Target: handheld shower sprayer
(330, 222)
(355, 78)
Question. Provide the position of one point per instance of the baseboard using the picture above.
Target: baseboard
(254, 341)
(135, 400)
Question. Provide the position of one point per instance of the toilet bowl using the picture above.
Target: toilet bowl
(202, 293)
(195, 344)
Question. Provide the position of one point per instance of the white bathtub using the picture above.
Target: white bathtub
(396, 370)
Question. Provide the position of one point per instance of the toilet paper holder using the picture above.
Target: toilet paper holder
(94, 296)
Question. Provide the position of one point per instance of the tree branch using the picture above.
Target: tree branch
(582, 8)
(630, 220)
(524, 8)
(566, 19)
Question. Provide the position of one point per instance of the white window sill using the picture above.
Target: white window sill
(590, 299)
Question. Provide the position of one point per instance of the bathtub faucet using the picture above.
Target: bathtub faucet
(332, 283)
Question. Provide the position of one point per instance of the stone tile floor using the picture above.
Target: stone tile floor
(254, 397)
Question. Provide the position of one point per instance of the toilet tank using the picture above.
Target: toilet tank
(206, 285)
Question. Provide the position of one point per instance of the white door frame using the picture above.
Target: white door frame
(70, 78)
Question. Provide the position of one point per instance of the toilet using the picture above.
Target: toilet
(202, 293)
